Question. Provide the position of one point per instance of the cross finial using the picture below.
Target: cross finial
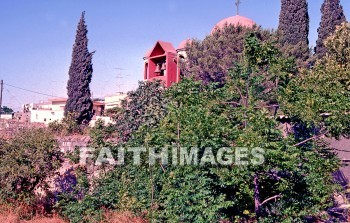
(238, 2)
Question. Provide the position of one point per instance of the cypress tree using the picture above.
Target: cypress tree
(332, 16)
(80, 73)
(294, 28)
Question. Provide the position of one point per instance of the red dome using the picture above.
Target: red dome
(236, 20)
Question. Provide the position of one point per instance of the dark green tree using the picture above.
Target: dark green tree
(7, 110)
(294, 29)
(320, 97)
(144, 106)
(332, 16)
(80, 73)
(209, 60)
(283, 189)
(295, 180)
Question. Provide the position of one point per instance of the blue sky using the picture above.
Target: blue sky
(37, 37)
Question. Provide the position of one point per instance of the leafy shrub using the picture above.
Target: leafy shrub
(56, 127)
(27, 162)
(209, 60)
(146, 105)
(294, 182)
(320, 97)
(68, 125)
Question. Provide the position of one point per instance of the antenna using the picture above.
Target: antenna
(119, 76)
(238, 2)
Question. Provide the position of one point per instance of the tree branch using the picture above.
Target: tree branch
(268, 106)
(269, 199)
(232, 102)
(161, 165)
(257, 203)
(307, 140)
(240, 93)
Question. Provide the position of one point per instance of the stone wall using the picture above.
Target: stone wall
(69, 143)
(8, 128)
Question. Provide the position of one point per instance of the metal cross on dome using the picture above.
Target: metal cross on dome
(238, 2)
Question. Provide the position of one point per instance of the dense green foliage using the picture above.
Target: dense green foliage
(238, 92)
(332, 16)
(67, 126)
(80, 73)
(6, 110)
(293, 29)
(295, 181)
(209, 60)
(338, 46)
(321, 97)
(146, 105)
(27, 161)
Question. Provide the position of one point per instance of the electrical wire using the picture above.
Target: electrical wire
(35, 92)
(12, 96)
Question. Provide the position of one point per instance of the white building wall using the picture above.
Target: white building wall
(46, 116)
(114, 100)
(6, 116)
(58, 106)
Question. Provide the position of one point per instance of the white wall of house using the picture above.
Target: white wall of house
(44, 105)
(55, 104)
(6, 116)
(114, 100)
(46, 116)
(53, 110)
(58, 105)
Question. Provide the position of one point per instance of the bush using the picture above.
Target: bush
(27, 162)
(56, 127)
(146, 105)
(68, 125)
(293, 182)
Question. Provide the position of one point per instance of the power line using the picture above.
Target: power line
(35, 92)
(12, 95)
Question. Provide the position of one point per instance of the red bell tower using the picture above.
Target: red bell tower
(160, 64)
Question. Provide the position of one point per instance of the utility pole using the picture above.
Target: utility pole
(1, 89)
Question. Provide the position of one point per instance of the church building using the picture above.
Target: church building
(160, 62)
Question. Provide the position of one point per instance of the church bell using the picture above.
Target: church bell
(158, 68)
(163, 66)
